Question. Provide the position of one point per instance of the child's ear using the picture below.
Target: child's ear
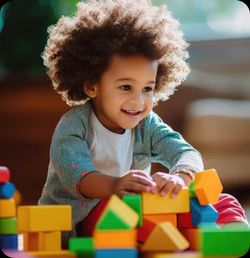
(90, 91)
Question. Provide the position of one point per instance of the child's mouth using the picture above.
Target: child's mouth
(131, 112)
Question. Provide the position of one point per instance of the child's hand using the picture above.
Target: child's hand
(134, 181)
(168, 183)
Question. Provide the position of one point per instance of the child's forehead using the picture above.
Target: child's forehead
(132, 66)
(118, 62)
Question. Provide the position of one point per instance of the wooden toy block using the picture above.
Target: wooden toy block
(191, 190)
(117, 215)
(52, 254)
(184, 220)
(149, 223)
(112, 239)
(185, 254)
(157, 204)
(7, 208)
(42, 241)
(165, 237)
(82, 246)
(202, 214)
(8, 242)
(115, 253)
(207, 186)
(4, 174)
(7, 190)
(40, 218)
(8, 226)
(193, 237)
(134, 201)
(225, 241)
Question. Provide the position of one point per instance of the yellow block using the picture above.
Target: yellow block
(122, 210)
(40, 218)
(17, 197)
(165, 237)
(7, 208)
(52, 254)
(157, 204)
(115, 238)
(42, 241)
(207, 186)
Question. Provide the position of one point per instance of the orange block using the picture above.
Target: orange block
(115, 239)
(207, 186)
(193, 237)
(42, 241)
(7, 208)
(158, 218)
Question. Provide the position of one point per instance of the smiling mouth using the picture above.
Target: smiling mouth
(132, 112)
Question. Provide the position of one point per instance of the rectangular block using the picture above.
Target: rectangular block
(82, 246)
(110, 239)
(8, 242)
(193, 237)
(8, 226)
(116, 253)
(49, 241)
(7, 208)
(157, 204)
(40, 218)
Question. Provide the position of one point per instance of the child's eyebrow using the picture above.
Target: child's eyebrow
(130, 79)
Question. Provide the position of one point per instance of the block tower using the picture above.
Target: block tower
(8, 220)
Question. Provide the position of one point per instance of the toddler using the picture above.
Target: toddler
(113, 61)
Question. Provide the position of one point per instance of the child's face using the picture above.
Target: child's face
(124, 94)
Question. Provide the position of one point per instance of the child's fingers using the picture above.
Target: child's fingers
(138, 178)
(137, 187)
(167, 187)
(176, 190)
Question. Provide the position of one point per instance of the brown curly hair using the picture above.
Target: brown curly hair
(80, 47)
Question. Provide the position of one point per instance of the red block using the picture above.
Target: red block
(184, 220)
(4, 174)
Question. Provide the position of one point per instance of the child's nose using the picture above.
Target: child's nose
(138, 99)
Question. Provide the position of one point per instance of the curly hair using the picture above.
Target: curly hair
(80, 47)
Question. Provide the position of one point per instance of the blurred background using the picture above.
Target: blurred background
(211, 108)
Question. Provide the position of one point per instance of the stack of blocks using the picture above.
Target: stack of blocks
(8, 220)
(157, 226)
(41, 227)
(166, 226)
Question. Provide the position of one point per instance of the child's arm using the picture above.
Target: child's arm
(97, 185)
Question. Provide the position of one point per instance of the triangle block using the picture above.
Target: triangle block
(165, 237)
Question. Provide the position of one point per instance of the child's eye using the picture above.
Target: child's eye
(148, 89)
(125, 87)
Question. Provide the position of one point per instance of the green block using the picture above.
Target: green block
(135, 203)
(230, 241)
(110, 220)
(191, 190)
(8, 226)
(82, 246)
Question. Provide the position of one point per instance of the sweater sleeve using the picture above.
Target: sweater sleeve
(230, 210)
(70, 153)
(169, 148)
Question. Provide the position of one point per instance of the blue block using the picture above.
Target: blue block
(8, 242)
(116, 253)
(7, 190)
(202, 214)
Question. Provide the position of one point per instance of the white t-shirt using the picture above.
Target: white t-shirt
(112, 153)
